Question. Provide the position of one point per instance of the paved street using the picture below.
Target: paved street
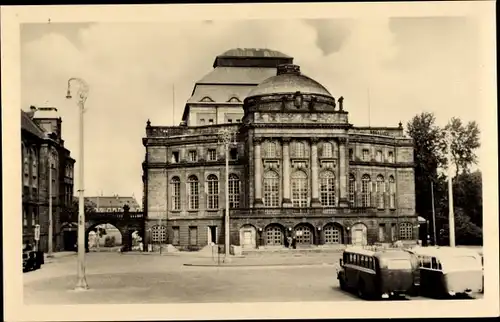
(136, 278)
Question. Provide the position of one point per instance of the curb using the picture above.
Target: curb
(259, 265)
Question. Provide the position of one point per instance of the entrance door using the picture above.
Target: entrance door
(304, 235)
(212, 235)
(357, 236)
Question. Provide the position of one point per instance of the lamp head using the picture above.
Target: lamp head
(68, 94)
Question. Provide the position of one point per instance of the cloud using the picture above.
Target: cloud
(131, 69)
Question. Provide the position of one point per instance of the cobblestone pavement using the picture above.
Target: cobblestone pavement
(122, 279)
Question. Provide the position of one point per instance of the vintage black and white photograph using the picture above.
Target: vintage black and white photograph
(336, 157)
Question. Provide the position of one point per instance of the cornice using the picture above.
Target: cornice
(383, 164)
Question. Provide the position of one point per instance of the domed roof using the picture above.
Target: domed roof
(289, 80)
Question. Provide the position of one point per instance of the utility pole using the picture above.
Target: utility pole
(433, 214)
(451, 214)
(82, 97)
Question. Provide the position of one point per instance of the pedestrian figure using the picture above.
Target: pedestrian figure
(289, 241)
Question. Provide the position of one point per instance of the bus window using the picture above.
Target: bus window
(426, 262)
(434, 263)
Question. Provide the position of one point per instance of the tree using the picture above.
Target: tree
(72, 213)
(426, 152)
(467, 194)
(465, 140)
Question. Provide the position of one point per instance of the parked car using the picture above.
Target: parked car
(32, 260)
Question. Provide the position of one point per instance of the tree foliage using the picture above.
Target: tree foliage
(72, 212)
(429, 156)
(465, 141)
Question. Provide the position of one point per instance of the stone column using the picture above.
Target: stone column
(257, 172)
(314, 174)
(343, 173)
(287, 202)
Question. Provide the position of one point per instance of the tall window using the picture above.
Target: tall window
(34, 170)
(270, 150)
(271, 189)
(351, 155)
(380, 192)
(300, 150)
(366, 155)
(405, 231)
(234, 191)
(365, 191)
(193, 156)
(299, 189)
(213, 191)
(25, 218)
(175, 184)
(26, 167)
(390, 157)
(378, 156)
(352, 190)
(327, 150)
(327, 188)
(193, 193)
(392, 193)
(212, 155)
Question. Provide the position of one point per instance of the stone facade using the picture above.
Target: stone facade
(297, 168)
(43, 146)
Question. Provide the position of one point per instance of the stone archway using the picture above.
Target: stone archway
(304, 234)
(333, 234)
(248, 236)
(111, 235)
(274, 235)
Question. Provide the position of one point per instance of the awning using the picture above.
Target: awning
(421, 220)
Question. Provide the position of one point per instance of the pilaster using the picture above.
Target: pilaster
(344, 173)
(258, 171)
(315, 202)
(287, 202)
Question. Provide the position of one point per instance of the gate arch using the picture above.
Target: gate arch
(248, 236)
(274, 235)
(359, 234)
(304, 234)
(333, 234)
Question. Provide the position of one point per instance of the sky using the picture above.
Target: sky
(387, 70)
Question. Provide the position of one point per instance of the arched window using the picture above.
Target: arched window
(193, 193)
(158, 233)
(352, 190)
(299, 189)
(175, 185)
(206, 99)
(300, 150)
(234, 100)
(234, 191)
(380, 192)
(365, 191)
(271, 189)
(270, 150)
(405, 231)
(213, 192)
(327, 150)
(392, 193)
(327, 189)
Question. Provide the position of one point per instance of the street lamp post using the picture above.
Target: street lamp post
(82, 97)
(51, 229)
(225, 136)
(451, 214)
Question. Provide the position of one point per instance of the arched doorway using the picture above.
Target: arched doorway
(304, 235)
(103, 237)
(333, 234)
(358, 233)
(274, 235)
(248, 236)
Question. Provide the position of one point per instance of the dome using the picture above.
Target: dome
(289, 80)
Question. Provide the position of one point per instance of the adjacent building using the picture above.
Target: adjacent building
(297, 167)
(113, 203)
(43, 150)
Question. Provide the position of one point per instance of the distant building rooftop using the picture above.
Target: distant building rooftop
(253, 52)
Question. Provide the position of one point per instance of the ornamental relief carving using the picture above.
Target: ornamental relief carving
(300, 118)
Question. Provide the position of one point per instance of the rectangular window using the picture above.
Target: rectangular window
(390, 157)
(212, 155)
(193, 235)
(381, 233)
(175, 157)
(193, 156)
(211, 121)
(351, 155)
(233, 154)
(230, 121)
(202, 121)
(238, 121)
(175, 236)
(366, 155)
(379, 156)
(25, 218)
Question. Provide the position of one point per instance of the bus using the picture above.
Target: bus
(448, 271)
(376, 274)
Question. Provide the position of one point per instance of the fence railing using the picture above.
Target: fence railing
(310, 211)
